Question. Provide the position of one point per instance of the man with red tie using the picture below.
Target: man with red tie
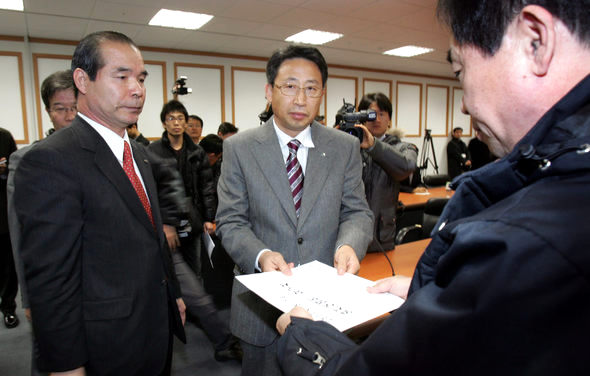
(103, 296)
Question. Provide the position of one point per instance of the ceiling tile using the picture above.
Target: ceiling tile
(254, 10)
(74, 8)
(12, 23)
(230, 26)
(134, 14)
(56, 27)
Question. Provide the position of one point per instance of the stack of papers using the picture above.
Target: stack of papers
(341, 300)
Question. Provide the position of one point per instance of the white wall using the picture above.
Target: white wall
(229, 89)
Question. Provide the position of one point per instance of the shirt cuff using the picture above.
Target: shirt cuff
(256, 266)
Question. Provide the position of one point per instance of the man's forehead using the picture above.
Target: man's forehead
(58, 96)
(121, 56)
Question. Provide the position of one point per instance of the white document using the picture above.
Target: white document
(341, 300)
(209, 244)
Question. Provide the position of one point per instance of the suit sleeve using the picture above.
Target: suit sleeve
(233, 220)
(49, 206)
(356, 219)
(398, 160)
(15, 228)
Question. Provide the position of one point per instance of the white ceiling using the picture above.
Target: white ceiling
(253, 27)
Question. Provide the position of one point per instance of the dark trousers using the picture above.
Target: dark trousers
(8, 279)
(200, 304)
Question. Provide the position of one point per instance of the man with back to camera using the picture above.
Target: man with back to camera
(458, 157)
(103, 296)
(135, 134)
(503, 286)
(194, 128)
(59, 98)
(386, 161)
(290, 192)
(226, 130)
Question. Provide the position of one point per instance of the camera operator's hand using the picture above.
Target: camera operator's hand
(175, 91)
(368, 138)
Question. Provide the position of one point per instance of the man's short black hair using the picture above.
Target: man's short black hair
(87, 55)
(295, 52)
(225, 128)
(212, 143)
(381, 99)
(483, 23)
(457, 129)
(173, 106)
(196, 118)
(60, 80)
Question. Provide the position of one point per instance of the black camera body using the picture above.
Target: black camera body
(348, 118)
(180, 86)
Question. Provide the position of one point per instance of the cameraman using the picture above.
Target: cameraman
(386, 161)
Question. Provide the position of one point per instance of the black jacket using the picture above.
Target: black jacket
(457, 156)
(503, 288)
(7, 147)
(193, 165)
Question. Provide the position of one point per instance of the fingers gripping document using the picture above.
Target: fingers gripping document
(342, 301)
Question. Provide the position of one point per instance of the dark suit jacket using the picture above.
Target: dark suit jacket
(101, 287)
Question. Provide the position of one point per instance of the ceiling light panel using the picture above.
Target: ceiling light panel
(179, 19)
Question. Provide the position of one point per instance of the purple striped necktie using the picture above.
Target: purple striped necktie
(295, 174)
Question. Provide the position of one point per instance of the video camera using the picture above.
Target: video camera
(348, 118)
(180, 86)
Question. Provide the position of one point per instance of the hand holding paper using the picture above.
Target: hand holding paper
(341, 300)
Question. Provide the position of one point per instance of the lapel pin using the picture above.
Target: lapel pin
(145, 161)
(323, 154)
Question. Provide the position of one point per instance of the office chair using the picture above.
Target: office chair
(432, 211)
(436, 180)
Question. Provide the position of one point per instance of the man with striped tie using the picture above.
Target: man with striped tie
(290, 192)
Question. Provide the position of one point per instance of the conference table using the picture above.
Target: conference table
(418, 200)
(404, 259)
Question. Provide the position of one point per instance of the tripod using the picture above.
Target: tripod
(427, 147)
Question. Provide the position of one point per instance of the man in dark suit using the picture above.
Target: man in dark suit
(265, 221)
(8, 278)
(458, 157)
(103, 296)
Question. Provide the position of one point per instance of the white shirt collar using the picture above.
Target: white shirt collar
(115, 142)
(304, 136)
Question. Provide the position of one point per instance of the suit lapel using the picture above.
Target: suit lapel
(110, 167)
(316, 171)
(270, 159)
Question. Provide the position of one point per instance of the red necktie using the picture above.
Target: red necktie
(295, 174)
(130, 171)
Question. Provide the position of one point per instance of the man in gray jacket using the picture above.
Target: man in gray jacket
(264, 219)
(386, 161)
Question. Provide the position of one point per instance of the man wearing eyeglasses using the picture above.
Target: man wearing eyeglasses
(289, 192)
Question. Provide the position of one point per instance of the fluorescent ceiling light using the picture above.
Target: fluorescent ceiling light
(12, 4)
(313, 37)
(408, 51)
(179, 19)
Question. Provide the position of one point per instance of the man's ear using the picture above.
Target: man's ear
(81, 80)
(537, 28)
(268, 91)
